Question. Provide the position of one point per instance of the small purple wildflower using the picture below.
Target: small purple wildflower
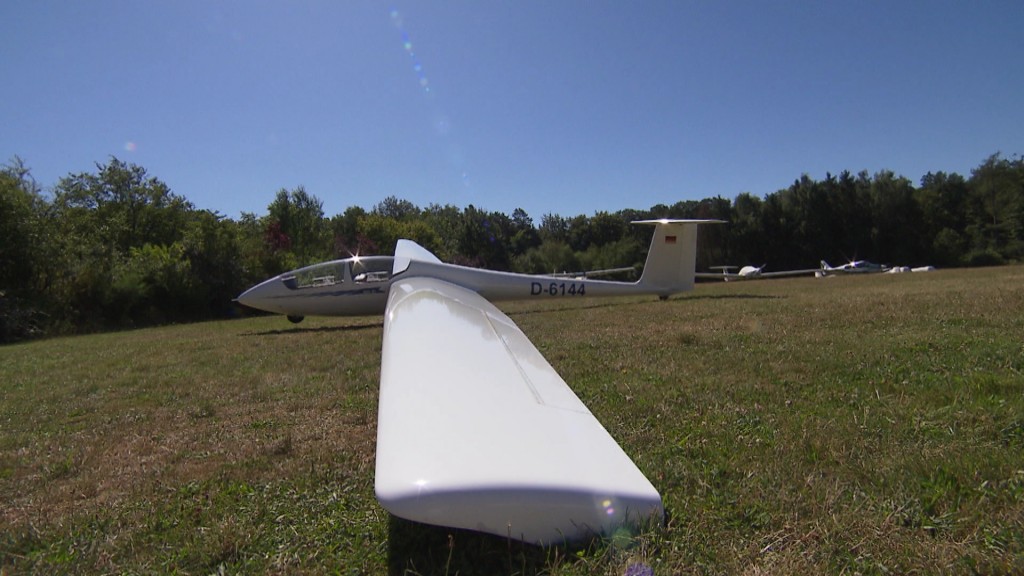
(639, 569)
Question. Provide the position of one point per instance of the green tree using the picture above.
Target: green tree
(524, 235)
(22, 210)
(25, 247)
(551, 256)
(99, 219)
(619, 253)
(259, 256)
(483, 239)
(212, 249)
(713, 241)
(896, 232)
(805, 205)
(150, 286)
(606, 228)
(553, 227)
(942, 199)
(778, 228)
(121, 207)
(393, 207)
(746, 233)
(851, 225)
(295, 223)
(384, 232)
(996, 207)
(345, 230)
(579, 233)
(446, 222)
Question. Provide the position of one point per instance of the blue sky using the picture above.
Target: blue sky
(565, 107)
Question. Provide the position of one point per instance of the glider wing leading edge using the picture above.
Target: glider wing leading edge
(476, 430)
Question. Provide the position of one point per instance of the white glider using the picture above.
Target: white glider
(753, 273)
(475, 429)
(853, 267)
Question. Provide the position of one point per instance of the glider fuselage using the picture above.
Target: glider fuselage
(359, 286)
(315, 291)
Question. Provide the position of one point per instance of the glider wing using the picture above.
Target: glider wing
(476, 430)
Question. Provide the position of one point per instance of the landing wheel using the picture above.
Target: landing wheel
(296, 319)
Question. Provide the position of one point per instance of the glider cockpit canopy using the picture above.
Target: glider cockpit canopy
(356, 269)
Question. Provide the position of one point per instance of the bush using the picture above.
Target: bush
(987, 257)
(18, 321)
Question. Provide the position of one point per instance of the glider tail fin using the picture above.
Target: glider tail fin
(672, 258)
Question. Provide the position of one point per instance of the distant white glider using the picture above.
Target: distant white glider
(753, 273)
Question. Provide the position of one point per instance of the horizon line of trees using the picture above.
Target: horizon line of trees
(118, 248)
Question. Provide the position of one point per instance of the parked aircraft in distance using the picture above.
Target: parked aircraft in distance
(854, 267)
(752, 273)
(475, 429)
(865, 267)
(901, 269)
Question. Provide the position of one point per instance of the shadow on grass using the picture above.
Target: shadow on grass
(427, 550)
(314, 330)
(545, 310)
(607, 303)
(733, 297)
(611, 303)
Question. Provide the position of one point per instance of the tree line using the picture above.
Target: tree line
(118, 248)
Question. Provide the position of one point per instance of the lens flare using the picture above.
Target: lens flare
(417, 67)
(442, 124)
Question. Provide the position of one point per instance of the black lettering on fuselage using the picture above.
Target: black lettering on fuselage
(558, 289)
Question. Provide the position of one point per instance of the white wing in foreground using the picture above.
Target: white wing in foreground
(476, 430)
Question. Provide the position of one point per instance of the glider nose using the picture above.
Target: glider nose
(261, 295)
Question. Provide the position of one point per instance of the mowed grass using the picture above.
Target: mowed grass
(850, 425)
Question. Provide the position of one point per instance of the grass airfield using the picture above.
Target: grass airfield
(858, 425)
